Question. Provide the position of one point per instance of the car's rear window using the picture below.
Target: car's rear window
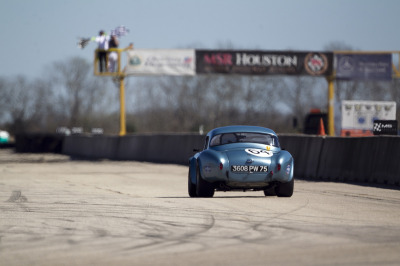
(236, 137)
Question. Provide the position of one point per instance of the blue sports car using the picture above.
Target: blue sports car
(241, 158)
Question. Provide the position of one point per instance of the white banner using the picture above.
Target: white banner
(161, 62)
(358, 116)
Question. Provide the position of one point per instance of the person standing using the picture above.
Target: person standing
(103, 42)
(113, 56)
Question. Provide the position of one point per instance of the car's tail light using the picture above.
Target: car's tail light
(279, 166)
(221, 166)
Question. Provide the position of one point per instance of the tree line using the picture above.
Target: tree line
(69, 95)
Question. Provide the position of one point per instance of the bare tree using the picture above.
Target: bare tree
(17, 103)
(3, 101)
(344, 89)
(41, 112)
(185, 103)
(78, 94)
(394, 95)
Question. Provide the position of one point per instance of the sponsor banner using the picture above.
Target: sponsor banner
(250, 62)
(358, 116)
(385, 127)
(161, 62)
(356, 133)
(364, 66)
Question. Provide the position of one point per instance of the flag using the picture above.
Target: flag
(83, 42)
(120, 31)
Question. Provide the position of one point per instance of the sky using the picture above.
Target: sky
(36, 33)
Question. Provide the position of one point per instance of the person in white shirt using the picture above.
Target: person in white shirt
(102, 41)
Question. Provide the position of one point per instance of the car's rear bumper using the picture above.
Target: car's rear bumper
(249, 179)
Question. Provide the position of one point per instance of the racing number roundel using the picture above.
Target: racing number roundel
(259, 152)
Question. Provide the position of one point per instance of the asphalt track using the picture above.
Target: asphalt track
(54, 211)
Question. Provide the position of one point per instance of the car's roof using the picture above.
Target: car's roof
(232, 129)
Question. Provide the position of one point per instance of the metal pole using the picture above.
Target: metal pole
(331, 106)
(95, 62)
(122, 131)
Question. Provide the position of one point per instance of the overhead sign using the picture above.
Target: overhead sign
(161, 62)
(358, 116)
(364, 66)
(251, 62)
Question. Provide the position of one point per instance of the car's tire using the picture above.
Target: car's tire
(191, 188)
(270, 192)
(203, 188)
(285, 189)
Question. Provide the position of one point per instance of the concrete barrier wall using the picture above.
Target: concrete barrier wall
(38, 143)
(306, 151)
(347, 159)
(367, 159)
(162, 148)
(386, 166)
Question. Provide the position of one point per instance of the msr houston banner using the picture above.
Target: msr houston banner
(250, 62)
(161, 62)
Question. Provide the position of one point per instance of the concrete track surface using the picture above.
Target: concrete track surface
(54, 211)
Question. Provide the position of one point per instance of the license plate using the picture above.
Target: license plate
(249, 168)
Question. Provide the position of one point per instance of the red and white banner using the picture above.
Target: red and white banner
(161, 62)
(258, 62)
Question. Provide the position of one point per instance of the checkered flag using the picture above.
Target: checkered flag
(120, 31)
(83, 42)
(377, 127)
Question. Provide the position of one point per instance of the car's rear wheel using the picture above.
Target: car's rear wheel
(285, 189)
(191, 187)
(270, 191)
(203, 188)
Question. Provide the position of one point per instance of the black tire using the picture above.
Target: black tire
(203, 188)
(270, 192)
(191, 188)
(285, 189)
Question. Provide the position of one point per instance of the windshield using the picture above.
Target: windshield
(259, 138)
